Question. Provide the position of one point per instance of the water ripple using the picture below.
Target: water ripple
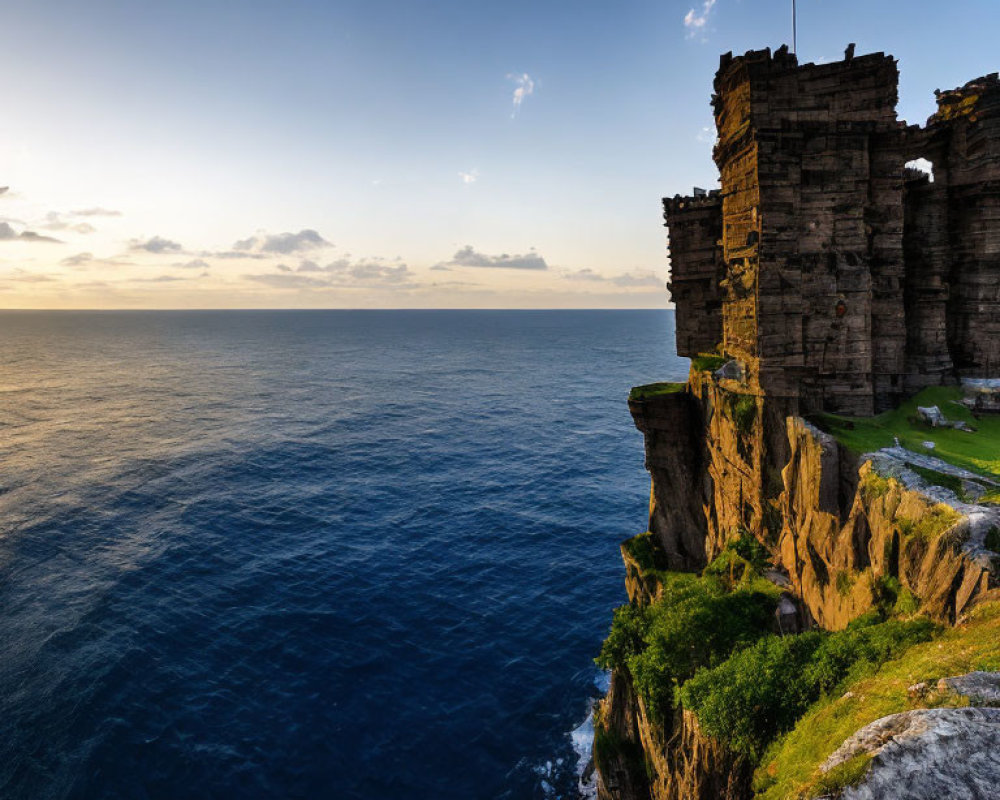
(311, 554)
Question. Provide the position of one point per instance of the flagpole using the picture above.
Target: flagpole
(795, 46)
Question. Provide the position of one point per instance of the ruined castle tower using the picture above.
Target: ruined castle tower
(838, 279)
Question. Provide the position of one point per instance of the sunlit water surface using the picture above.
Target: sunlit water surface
(311, 554)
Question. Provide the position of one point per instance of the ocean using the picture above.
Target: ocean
(312, 554)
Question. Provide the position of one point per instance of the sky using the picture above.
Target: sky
(390, 153)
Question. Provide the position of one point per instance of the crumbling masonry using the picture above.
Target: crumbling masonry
(838, 279)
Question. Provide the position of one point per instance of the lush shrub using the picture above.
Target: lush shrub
(761, 691)
(849, 654)
(755, 694)
(697, 622)
(626, 638)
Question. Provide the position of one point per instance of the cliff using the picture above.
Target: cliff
(814, 607)
(823, 577)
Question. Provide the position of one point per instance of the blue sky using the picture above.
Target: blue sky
(388, 153)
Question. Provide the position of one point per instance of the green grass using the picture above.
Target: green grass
(707, 361)
(978, 451)
(651, 390)
(790, 768)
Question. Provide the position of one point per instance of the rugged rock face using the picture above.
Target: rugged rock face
(927, 754)
(618, 750)
(839, 553)
(637, 758)
(692, 766)
(672, 425)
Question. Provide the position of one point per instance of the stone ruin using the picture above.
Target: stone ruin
(838, 277)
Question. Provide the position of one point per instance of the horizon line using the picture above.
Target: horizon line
(256, 308)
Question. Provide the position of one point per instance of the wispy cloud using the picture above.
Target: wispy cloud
(695, 21)
(28, 277)
(343, 273)
(83, 260)
(160, 279)
(525, 86)
(157, 245)
(54, 221)
(78, 260)
(96, 212)
(285, 280)
(282, 243)
(627, 279)
(197, 263)
(469, 177)
(467, 257)
(8, 234)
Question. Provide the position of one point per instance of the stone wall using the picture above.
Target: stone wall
(697, 269)
(846, 281)
(813, 222)
(963, 142)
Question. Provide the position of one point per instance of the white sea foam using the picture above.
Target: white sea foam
(583, 744)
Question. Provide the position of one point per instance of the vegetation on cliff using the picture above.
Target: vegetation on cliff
(977, 450)
(760, 692)
(697, 622)
(707, 644)
(790, 767)
(708, 362)
(651, 390)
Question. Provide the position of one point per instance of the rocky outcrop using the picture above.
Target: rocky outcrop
(672, 426)
(843, 549)
(926, 754)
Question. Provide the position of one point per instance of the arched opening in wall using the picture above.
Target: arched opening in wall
(920, 165)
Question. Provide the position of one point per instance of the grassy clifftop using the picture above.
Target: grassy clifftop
(790, 769)
(977, 450)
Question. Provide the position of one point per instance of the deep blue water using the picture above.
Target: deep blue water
(311, 554)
